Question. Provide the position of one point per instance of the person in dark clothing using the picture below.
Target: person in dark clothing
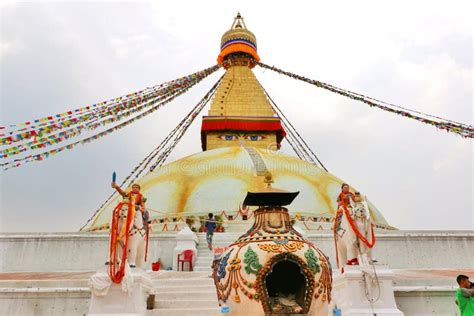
(210, 228)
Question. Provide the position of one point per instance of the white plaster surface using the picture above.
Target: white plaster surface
(427, 301)
(43, 252)
(87, 251)
(50, 301)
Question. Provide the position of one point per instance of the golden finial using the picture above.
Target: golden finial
(268, 179)
(238, 39)
(238, 22)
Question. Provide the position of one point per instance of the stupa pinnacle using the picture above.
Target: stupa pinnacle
(240, 113)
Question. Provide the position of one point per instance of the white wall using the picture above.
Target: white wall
(86, 252)
(69, 251)
(53, 302)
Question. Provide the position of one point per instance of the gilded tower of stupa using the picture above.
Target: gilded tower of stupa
(240, 113)
(240, 138)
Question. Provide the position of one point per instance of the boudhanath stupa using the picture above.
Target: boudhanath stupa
(50, 273)
(240, 138)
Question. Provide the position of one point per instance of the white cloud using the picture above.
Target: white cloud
(5, 48)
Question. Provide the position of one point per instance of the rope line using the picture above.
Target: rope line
(188, 119)
(80, 112)
(458, 128)
(149, 108)
(295, 134)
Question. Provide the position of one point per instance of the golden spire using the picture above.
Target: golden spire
(240, 113)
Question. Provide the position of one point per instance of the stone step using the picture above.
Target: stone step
(219, 235)
(43, 283)
(221, 242)
(184, 282)
(205, 259)
(186, 303)
(165, 275)
(203, 264)
(24, 292)
(203, 240)
(189, 293)
(203, 268)
(184, 288)
(213, 311)
(205, 254)
(217, 241)
(184, 293)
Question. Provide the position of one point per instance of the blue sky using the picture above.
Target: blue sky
(63, 55)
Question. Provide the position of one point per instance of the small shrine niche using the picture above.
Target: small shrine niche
(285, 287)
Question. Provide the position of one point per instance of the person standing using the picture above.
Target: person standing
(465, 296)
(210, 228)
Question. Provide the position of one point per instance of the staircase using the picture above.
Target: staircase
(205, 256)
(184, 293)
(190, 293)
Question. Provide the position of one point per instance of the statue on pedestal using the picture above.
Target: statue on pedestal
(118, 289)
(354, 239)
(353, 230)
(129, 233)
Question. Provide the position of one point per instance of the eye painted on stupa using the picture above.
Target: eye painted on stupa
(228, 137)
(254, 137)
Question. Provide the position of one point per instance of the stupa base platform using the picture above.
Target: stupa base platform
(67, 293)
(424, 284)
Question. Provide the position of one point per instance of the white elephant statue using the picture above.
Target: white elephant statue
(137, 242)
(137, 237)
(354, 233)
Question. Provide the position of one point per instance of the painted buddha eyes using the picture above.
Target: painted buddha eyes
(254, 137)
(230, 137)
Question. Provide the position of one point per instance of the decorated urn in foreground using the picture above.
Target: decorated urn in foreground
(272, 269)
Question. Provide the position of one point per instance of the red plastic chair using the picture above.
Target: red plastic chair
(186, 256)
